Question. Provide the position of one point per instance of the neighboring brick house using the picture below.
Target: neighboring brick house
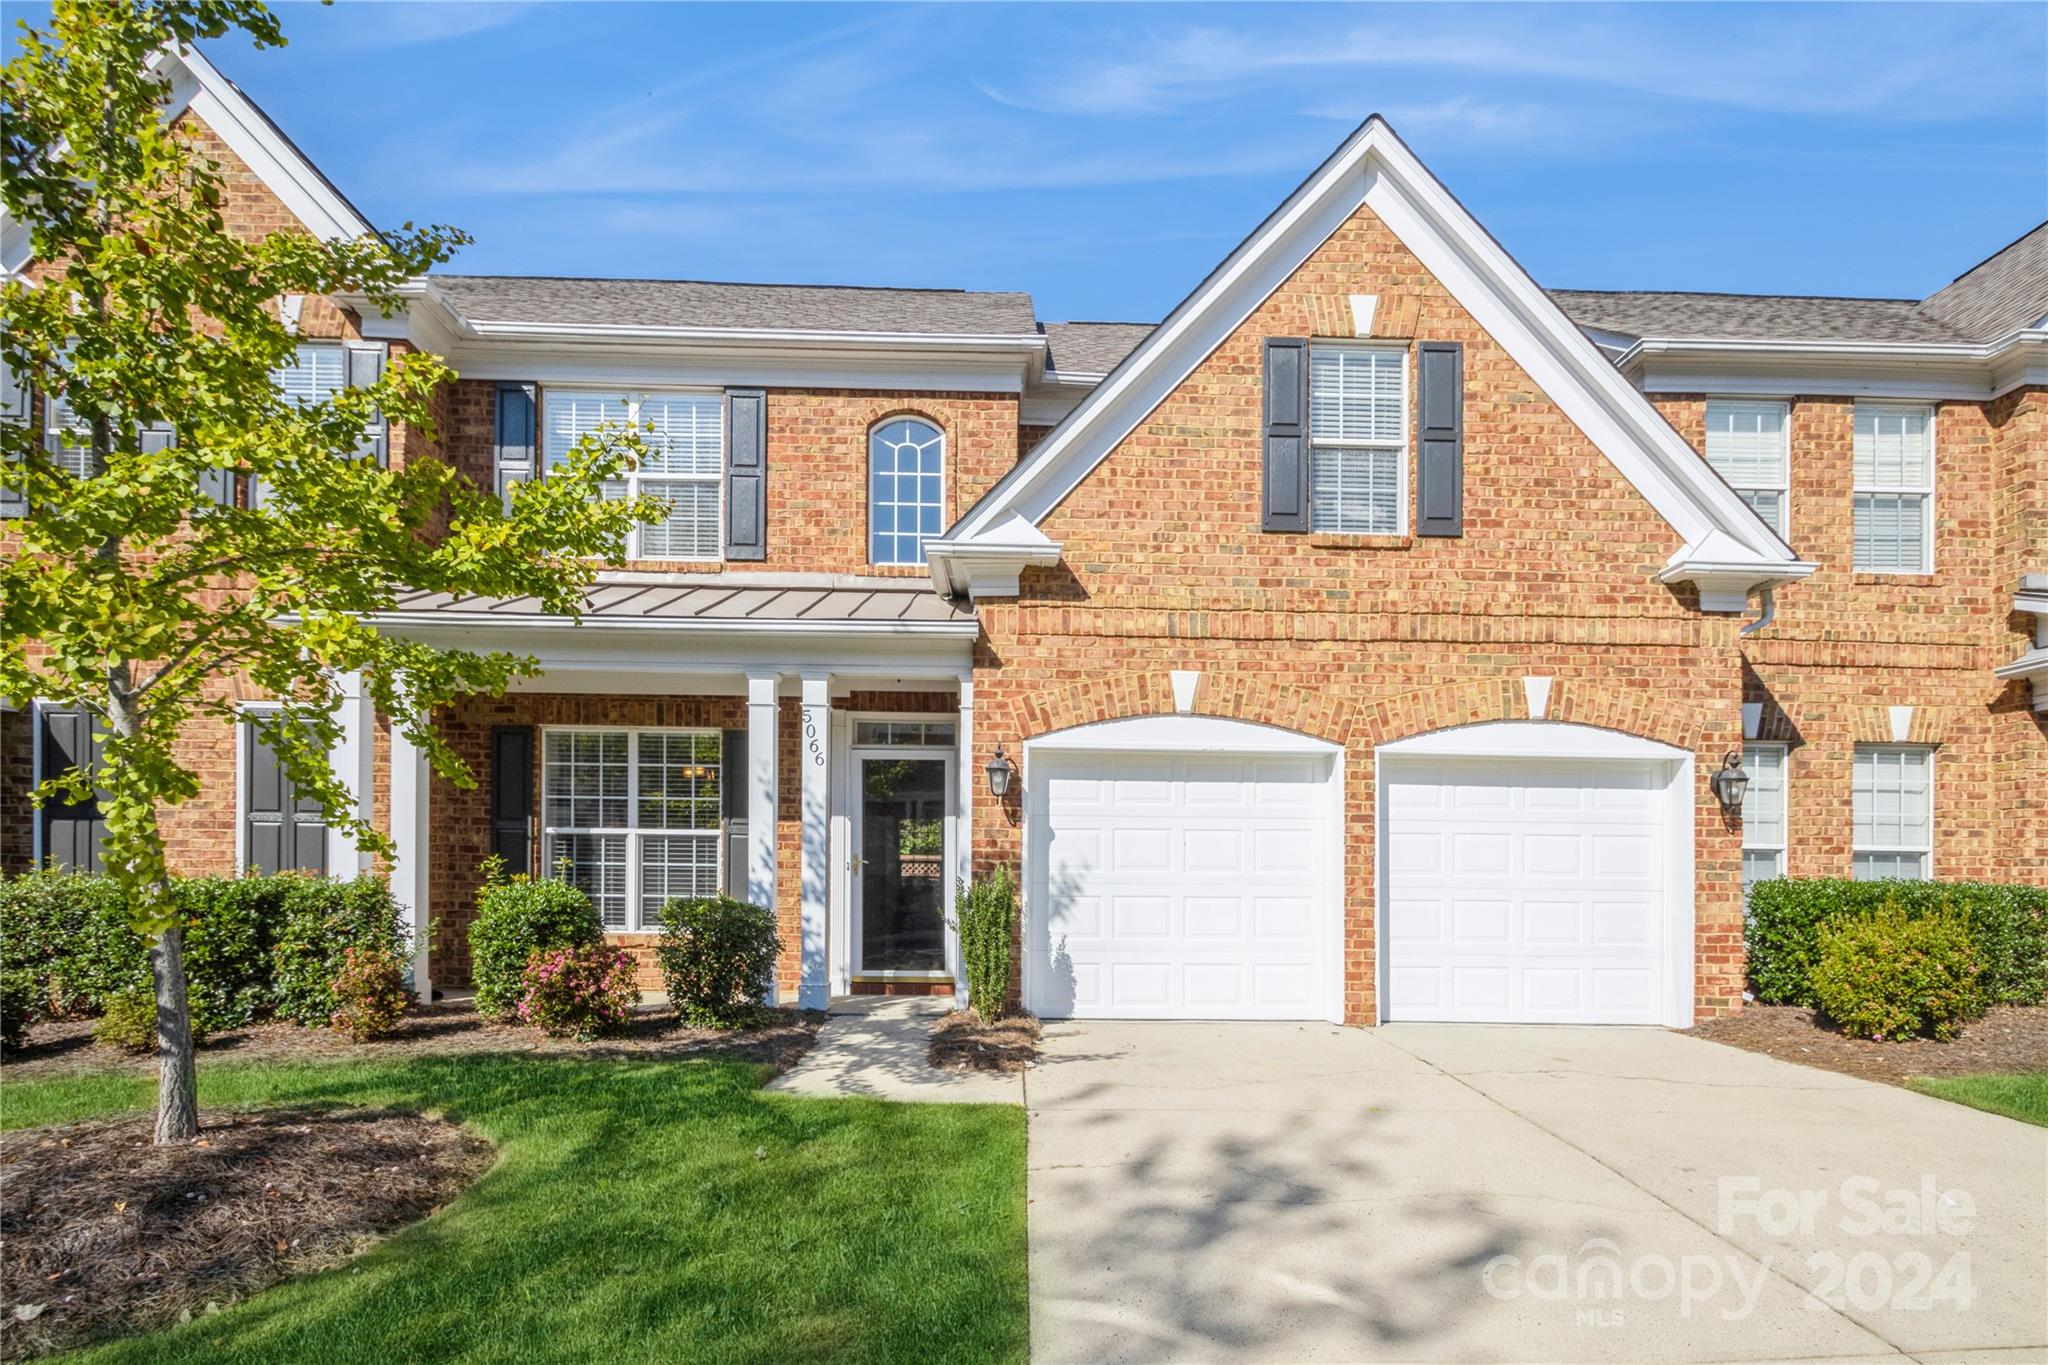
(1361, 642)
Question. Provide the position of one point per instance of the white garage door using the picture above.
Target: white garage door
(1526, 890)
(1180, 887)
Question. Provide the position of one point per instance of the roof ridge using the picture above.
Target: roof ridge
(738, 284)
(1731, 294)
(1994, 255)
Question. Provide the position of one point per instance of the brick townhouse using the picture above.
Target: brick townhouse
(1363, 641)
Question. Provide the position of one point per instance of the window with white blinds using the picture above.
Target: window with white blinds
(685, 465)
(1746, 445)
(1894, 488)
(318, 371)
(1893, 795)
(631, 818)
(1763, 815)
(1358, 439)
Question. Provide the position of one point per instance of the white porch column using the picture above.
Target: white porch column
(350, 758)
(763, 751)
(410, 824)
(963, 839)
(814, 742)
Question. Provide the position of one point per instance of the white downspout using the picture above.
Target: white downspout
(1767, 613)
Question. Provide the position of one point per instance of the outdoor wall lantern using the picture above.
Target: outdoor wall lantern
(1731, 782)
(1000, 770)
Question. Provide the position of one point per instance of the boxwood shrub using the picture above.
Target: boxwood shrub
(517, 917)
(2007, 924)
(254, 946)
(717, 958)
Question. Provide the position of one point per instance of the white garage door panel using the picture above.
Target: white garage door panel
(1168, 887)
(1526, 891)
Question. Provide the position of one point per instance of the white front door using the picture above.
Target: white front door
(1526, 890)
(1180, 886)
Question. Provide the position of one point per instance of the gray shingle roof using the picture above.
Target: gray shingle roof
(1092, 347)
(723, 599)
(700, 303)
(1751, 317)
(2000, 295)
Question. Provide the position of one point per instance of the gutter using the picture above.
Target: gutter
(964, 629)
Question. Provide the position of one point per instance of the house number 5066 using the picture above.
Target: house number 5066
(812, 744)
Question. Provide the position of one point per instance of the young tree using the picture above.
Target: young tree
(131, 586)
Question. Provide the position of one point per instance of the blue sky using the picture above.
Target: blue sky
(1105, 157)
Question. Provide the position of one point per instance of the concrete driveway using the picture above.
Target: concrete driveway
(1428, 1192)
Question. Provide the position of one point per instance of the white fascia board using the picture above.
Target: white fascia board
(1786, 369)
(991, 565)
(283, 169)
(2033, 667)
(731, 654)
(1375, 169)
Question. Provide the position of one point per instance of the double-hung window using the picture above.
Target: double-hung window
(1894, 492)
(1893, 789)
(319, 370)
(1763, 815)
(684, 468)
(1746, 445)
(1358, 439)
(631, 817)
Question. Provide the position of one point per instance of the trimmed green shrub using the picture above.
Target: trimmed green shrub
(717, 956)
(2007, 924)
(253, 945)
(988, 930)
(128, 1021)
(515, 918)
(1891, 975)
(317, 924)
(17, 1006)
(369, 993)
(584, 992)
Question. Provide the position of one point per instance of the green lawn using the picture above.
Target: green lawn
(2022, 1096)
(629, 1218)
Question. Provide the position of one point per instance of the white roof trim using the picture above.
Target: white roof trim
(1375, 169)
(282, 168)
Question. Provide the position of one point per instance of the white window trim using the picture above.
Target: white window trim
(945, 441)
(1925, 850)
(632, 478)
(633, 832)
(1784, 842)
(1403, 447)
(1928, 521)
(1783, 488)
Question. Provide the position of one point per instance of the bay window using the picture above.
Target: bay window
(630, 817)
(685, 464)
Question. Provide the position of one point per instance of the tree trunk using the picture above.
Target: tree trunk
(177, 1082)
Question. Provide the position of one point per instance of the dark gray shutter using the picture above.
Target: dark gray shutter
(512, 444)
(1440, 439)
(732, 793)
(746, 474)
(15, 412)
(71, 738)
(363, 363)
(1285, 496)
(282, 830)
(512, 796)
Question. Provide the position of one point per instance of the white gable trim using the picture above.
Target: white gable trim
(1375, 169)
(283, 168)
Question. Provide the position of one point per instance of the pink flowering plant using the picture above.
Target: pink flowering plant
(585, 991)
(370, 990)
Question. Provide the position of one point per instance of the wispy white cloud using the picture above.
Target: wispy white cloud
(376, 24)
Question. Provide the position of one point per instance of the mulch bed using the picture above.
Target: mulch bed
(964, 1042)
(107, 1234)
(65, 1047)
(2009, 1038)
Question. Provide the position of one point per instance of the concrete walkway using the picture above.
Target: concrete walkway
(877, 1046)
(1422, 1193)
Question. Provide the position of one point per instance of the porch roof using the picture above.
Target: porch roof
(801, 602)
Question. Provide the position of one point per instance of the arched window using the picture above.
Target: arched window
(906, 489)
